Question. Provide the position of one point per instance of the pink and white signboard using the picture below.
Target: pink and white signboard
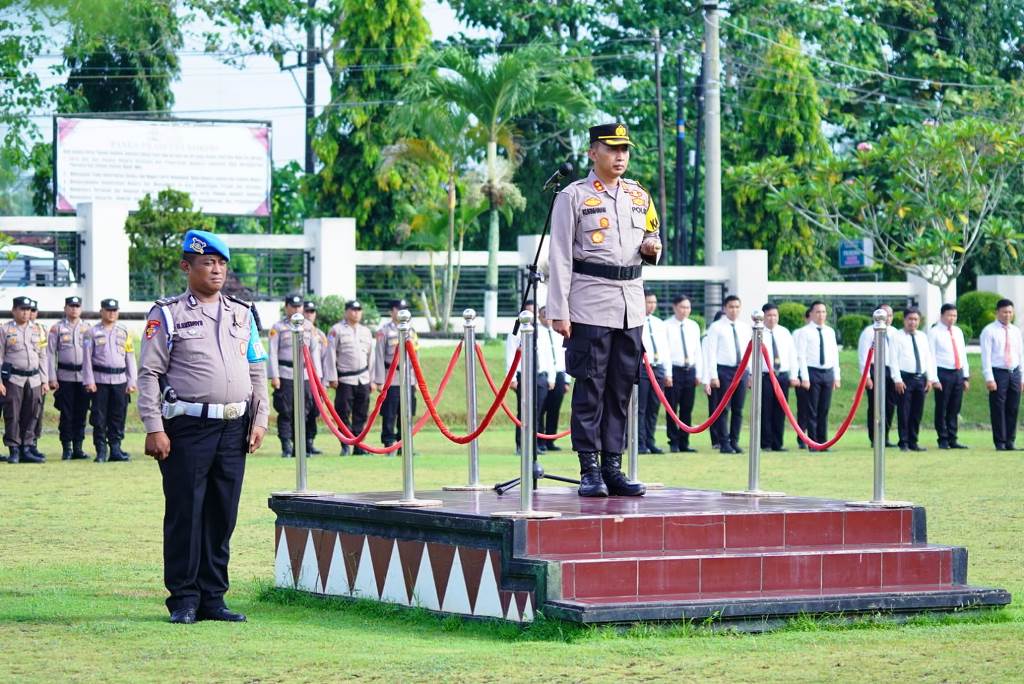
(224, 166)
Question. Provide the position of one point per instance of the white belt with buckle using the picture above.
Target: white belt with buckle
(199, 410)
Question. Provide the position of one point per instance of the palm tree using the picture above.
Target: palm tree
(494, 93)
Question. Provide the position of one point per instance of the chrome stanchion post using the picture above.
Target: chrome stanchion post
(528, 428)
(878, 370)
(633, 435)
(469, 354)
(756, 383)
(406, 375)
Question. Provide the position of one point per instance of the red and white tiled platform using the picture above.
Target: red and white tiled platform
(672, 554)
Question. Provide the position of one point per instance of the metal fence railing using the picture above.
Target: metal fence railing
(41, 259)
(380, 284)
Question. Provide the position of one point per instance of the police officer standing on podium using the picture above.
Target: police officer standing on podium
(281, 371)
(602, 230)
(109, 374)
(23, 368)
(348, 366)
(66, 357)
(384, 353)
(203, 402)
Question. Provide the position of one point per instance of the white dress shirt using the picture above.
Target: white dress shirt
(948, 346)
(906, 362)
(720, 346)
(867, 340)
(550, 353)
(544, 363)
(656, 344)
(784, 351)
(676, 330)
(808, 350)
(996, 340)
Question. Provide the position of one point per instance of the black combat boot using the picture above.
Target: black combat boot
(77, 453)
(116, 454)
(345, 449)
(101, 452)
(287, 451)
(15, 456)
(29, 454)
(618, 483)
(66, 451)
(591, 483)
(310, 449)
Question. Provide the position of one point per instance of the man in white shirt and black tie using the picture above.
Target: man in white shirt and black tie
(724, 346)
(864, 343)
(802, 392)
(686, 360)
(551, 343)
(1000, 365)
(656, 348)
(779, 343)
(916, 376)
(949, 349)
(819, 360)
(544, 380)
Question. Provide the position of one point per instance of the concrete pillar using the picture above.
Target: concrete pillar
(929, 298)
(748, 277)
(105, 253)
(332, 243)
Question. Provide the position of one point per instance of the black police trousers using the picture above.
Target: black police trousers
(391, 421)
(109, 408)
(773, 418)
(947, 404)
(910, 408)
(605, 363)
(553, 407)
(72, 401)
(1003, 406)
(891, 399)
(819, 402)
(680, 397)
(352, 403)
(283, 405)
(540, 395)
(202, 481)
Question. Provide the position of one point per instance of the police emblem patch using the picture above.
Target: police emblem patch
(599, 186)
(197, 246)
(151, 328)
(597, 238)
(620, 131)
(592, 202)
(604, 222)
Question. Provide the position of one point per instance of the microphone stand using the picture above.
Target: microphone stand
(534, 277)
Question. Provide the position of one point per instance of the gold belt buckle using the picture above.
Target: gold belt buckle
(231, 411)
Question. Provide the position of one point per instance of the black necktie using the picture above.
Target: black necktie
(821, 348)
(654, 345)
(682, 336)
(736, 343)
(554, 361)
(775, 351)
(917, 354)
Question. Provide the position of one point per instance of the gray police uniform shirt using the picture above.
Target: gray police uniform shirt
(23, 346)
(109, 349)
(385, 350)
(65, 347)
(321, 344)
(281, 350)
(349, 349)
(601, 225)
(216, 358)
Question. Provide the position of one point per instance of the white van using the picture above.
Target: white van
(24, 265)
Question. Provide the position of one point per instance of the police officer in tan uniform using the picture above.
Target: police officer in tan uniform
(109, 373)
(23, 368)
(32, 440)
(312, 412)
(66, 358)
(386, 348)
(203, 402)
(348, 366)
(281, 371)
(603, 228)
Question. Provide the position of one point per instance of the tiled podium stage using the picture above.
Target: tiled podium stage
(673, 554)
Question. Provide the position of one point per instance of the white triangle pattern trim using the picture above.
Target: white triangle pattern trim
(309, 571)
(456, 596)
(365, 585)
(528, 609)
(337, 577)
(394, 581)
(424, 592)
(488, 601)
(513, 609)
(283, 564)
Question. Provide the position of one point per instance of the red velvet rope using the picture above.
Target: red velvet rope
(726, 398)
(372, 418)
(781, 397)
(504, 406)
(488, 417)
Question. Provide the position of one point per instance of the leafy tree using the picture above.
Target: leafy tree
(156, 231)
(289, 201)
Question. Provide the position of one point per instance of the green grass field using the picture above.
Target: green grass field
(81, 593)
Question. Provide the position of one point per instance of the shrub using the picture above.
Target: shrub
(968, 330)
(700, 321)
(791, 315)
(849, 328)
(976, 310)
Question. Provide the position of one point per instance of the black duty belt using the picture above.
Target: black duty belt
(108, 370)
(287, 364)
(75, 368)
(349, 374)
(607, 271)
(23, 373)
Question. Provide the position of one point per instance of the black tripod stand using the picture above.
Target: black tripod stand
(534, 277)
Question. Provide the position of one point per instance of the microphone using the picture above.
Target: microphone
(564, 170)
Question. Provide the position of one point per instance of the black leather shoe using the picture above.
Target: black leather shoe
(591, 483)
(780, 449)
(616, 481)
(28, 455)
(101, 453)
(643, 451)
(287, 450)
(66, 451)
(904, 447)
(554, 447)
(116, 454)
(958, 445)
(943, 445)
(183, 616)
(656, 450)
(15, 454)
(311, 448)
(77, 454)
(890, 444)
(219, 615)
(918, 447)
(541, 449)
(688, 450)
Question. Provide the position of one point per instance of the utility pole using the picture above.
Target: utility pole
(680, 247)
(695, 155)
(661, 135)
(311, 60)
(712, 153)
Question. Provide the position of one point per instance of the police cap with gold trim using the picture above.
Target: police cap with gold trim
(610, 134)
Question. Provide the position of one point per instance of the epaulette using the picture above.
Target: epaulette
(251, 306)
(167, 301)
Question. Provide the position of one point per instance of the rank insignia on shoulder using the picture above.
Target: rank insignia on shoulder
(599, 186)
(151, 328)
(592, 202)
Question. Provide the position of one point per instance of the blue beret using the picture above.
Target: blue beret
(204, 242)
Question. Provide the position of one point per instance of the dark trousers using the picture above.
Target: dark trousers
(733, 415)
(891, 399)
(910, 408)
(680, 397)
(21, 411)
(819, 401)
(1003, 406)
(773, 418)
(352, 403)
(803, 412)
(202, 480)
(947, 404)
(605, 363)
(552, 408)
(648, 407)
(312, 413)
(284, 407)
(391, 421)
(540, 395)
(109, 408)
(72, 401)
